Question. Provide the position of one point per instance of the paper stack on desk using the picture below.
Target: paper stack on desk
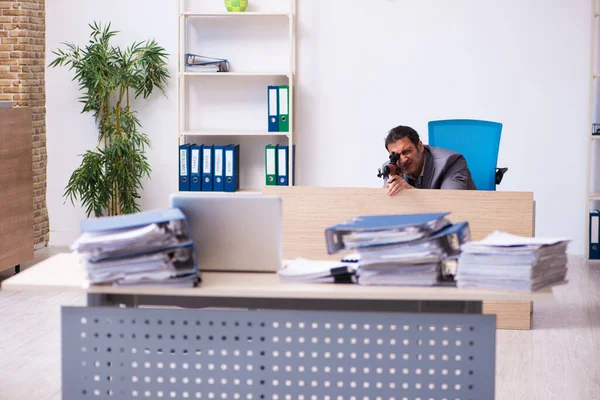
(408, 249)
(302, 270)
(505, 261)
(420, 262)
(152, 247)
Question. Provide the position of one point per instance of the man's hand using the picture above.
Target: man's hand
(395, 184)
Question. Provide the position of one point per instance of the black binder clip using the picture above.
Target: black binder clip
(343, 275)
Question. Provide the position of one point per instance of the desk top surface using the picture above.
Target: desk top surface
(64, 272)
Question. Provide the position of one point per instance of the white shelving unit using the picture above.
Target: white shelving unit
(233, 133)
(237, 14)
(230, 74)
(245, 81)
(593, 157)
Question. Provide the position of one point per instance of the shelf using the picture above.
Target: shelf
(253, 78)
(596, 76)
(234, 133)
(594, 196)
(286, 74)
(236, 14)
(255, 191)
(595, 137)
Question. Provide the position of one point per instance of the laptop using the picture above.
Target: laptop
(234, 232)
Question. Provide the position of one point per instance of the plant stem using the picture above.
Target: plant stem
(103, 117)
(114, 199)
(118, 132)
(118, 111)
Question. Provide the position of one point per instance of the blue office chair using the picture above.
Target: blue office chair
(478, 141)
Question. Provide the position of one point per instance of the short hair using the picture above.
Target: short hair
(399, 133)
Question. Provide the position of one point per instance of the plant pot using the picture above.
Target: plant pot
(236, 5)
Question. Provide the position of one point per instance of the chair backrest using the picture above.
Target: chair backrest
(478, 141)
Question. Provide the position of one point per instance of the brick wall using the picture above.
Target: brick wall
(22, 63)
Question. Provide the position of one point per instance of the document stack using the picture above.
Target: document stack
(310, 271)
(198, 63)
(409, 249)
(152, 247)
(505, 261)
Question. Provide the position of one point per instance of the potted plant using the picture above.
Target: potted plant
(110, 177)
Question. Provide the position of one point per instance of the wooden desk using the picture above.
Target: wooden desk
(308, 211)
(393, 331)
(64, 272)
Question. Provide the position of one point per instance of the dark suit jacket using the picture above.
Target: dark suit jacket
(444, 169)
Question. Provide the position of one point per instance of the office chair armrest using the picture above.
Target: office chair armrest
(500, 174)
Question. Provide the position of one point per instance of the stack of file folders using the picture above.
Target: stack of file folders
(409, 249)
(146, 248)
(505, 261)
(198, 63)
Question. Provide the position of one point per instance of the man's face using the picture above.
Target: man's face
(411, 157)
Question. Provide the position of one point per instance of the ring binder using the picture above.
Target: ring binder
(198, 63)
(195, 184)
(184, 167)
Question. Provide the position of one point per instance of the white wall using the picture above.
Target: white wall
(70, 133)
(365, 66)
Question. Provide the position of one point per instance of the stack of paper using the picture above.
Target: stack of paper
(420, 262)
(505, 261)
(152, 247)
(203, 68)
(399, 249)
(302, 270)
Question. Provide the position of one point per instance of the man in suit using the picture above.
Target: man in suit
(424, 167)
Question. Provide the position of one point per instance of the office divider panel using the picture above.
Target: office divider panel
(126, 353)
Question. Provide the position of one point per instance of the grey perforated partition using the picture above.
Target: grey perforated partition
(124, 353)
